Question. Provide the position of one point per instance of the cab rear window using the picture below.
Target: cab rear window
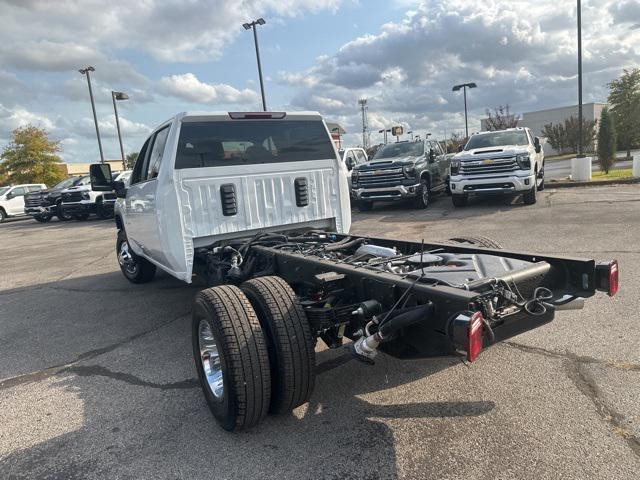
(248, 142)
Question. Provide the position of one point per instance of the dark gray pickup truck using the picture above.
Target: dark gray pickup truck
(400, 171)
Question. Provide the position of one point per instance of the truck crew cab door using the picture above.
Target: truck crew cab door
(141, 210)
(15, 205)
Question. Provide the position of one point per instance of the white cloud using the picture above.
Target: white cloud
(189, 88)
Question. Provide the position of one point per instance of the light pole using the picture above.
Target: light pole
(252, 25)
(580, 152)
(85, 71)
(119, 96)
(464, 87)
(363, 105)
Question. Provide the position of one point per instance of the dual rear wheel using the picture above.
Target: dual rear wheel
(253, 349)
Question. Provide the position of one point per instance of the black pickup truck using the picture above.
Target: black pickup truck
(46, 204)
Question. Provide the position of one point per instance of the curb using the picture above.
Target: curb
(593, 183)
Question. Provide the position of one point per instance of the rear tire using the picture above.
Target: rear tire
(478, 240)
(289, 340)
(3, 215)
(364, 205)
(231, 357)
(459, 200)
(136, 269)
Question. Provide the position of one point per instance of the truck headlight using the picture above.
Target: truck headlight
(524, 161)
(409, 171)
(86, 196)
(455, 167)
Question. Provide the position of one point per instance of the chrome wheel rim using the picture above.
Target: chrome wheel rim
(126, 260)
(425, 193)
(210, 359)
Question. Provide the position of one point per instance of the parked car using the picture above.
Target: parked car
(12, 199)
(507, 161)
(80, 201)
(351, 158)
(401, 171)
(45, 204)
(267, 229)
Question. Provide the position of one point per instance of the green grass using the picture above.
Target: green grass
(618, 173)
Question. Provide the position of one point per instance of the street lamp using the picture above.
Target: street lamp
(580, 152)
(464, 87)
(85, 71)
(119, 96)
(252, 25)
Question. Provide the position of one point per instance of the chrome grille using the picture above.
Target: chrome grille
(489, 165)
(33, 200)
(380, 177)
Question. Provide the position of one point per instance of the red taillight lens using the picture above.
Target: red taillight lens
(613, 278)
(475, 336)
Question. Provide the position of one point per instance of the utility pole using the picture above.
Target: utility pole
(363, 106)
(119, 96)
(464, 87)
(580, 150)
(252, 25)
(86, 71)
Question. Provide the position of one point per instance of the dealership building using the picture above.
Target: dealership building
(537, 120)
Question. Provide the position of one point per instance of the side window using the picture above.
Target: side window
(530, 137)
(155, 159)
(438, 148)
(18, 191)
(362, 158)
(34, 188)
(140, 165)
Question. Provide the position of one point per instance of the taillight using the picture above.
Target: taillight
(607, 277)
(613, 278)
(256, 115)
(475, 336)
(466, 331)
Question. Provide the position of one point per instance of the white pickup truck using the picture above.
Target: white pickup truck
(80, 201)
(500, 162)
(257, 206)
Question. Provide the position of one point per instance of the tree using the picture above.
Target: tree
(130, 160)
(572, 134)
(501, 118)
(565, 135)
(624, 99)
(454, 142)
(606, 141)
(31, 157)
(555, 136)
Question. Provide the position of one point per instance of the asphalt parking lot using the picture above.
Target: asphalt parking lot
(97, 378)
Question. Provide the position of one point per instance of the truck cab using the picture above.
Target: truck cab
(205, 177)
(12, 199)
(500, 162)
(352, 157)
(401, 171)
(80, 201)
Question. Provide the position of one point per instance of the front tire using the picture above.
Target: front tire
(531, 196)
(364, 205)
(541, 175)
(231, 357)
(289, 339)
(424, 194)
(459, 200)
(136, 269)
(103, 212)
(3, 215)
(60, 213)
(42, 218)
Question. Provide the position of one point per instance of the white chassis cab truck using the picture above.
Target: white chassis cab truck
(257, 206)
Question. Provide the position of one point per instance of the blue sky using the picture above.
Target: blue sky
(172, 55)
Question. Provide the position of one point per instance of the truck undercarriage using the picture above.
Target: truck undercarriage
(407, 299)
